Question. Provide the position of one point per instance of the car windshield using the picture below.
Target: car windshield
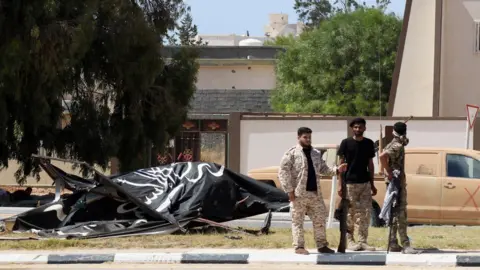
(329, 155)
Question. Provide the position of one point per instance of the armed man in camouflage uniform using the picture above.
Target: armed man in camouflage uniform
(393, 158)
(299, 175)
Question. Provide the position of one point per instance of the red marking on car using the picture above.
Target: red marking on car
(471, 198)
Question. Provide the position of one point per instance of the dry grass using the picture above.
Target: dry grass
(422, 237)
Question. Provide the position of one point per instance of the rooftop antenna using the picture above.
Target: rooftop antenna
(380, 142)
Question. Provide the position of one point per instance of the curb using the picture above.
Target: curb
(247, 258)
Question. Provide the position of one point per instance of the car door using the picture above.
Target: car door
(423, 171)
(461, 189)
(329, 155)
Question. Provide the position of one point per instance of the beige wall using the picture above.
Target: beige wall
(427, 133)
(7, 175)
(221, 77)
(460, 71)
(457, 64)
(415, 85)
(263, 142)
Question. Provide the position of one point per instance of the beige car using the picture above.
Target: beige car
(443, 185)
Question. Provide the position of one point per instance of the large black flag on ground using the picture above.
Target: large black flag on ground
(153, 200)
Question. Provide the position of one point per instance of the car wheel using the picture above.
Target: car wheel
(375, 221)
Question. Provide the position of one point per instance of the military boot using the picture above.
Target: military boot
(407, 249)
(352, 246)
(367, 247)
(301, 251)
(325, 250)
(395, 247)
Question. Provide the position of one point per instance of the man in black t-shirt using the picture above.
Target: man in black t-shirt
(358, 152)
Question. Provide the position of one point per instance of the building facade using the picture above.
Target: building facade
(230, 79)
(438, 59)
(233, 79)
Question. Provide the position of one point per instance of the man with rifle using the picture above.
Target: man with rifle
(299, 175)
(393, 161)
(357, 186)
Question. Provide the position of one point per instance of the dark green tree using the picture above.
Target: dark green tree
(344, 66)
(102, 56)
(284, 41)
(313, 12)
(187, 31)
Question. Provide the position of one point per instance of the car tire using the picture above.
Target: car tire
(375, 221)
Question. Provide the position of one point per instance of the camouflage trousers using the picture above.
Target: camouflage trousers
(360, 197)
(313, 206)
(399, 222)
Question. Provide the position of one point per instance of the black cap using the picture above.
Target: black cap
(400, 128)
(358, 120)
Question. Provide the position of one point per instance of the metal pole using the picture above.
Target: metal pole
(467, 136)
(333, 196)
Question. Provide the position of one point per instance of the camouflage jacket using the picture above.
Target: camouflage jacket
(396, 156)
(293, 171)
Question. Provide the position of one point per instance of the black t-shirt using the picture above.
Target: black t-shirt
(312, 177)
(357, 154)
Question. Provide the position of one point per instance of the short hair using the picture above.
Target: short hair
(357, 121)
(304, 130)
(28, 189)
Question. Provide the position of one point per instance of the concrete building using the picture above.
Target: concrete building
(438, 60)
(278, 25)
(234, 78)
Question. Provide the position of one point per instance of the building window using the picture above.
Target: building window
(477, 37)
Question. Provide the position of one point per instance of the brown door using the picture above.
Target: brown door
(424, 186)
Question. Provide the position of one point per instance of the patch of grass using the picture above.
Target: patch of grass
(422, 237)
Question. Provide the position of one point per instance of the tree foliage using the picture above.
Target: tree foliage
(314, 12)
(103, 55)
(344, 66)
(283, 41)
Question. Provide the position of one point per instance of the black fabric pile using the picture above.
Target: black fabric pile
(158, 200)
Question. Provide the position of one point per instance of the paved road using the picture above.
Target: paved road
(213, 267)
(279, 220)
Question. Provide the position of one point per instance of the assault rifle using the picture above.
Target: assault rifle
(393, 209)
